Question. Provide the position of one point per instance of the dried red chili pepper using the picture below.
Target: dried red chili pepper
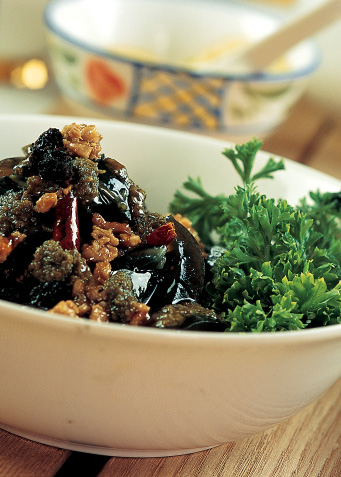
(66, 229)
(162, 235)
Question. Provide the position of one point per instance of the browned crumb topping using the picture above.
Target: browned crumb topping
(80, 268)
(82, 141)
(15, 213)
(80, 298)
(103, 248)
(125, 234)
(103, 296)
(56, 163)
(36, 186)
(68, 308)
(107, 238)
(86, 185)
(87, 288)
(51, 262)
(46, 202)
(116, 227)
(140, 316)
(123, 304)
(89, 296)
(102, 272)
(98, 313)
(172, 316)
(129, 240)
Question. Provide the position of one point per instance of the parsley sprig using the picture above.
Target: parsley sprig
(279, 266)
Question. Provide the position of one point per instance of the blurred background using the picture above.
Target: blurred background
(324, 85)
(27, 83)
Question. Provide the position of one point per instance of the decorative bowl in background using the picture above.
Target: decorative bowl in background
(138, 60)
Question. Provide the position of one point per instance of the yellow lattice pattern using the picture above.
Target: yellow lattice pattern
(180, 99)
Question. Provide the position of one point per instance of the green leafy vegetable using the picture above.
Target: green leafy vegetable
(203, 209)
(279, 267)
(243, 158)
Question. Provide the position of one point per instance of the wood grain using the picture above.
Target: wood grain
(312, 136)
(21, 457)
(307, 445)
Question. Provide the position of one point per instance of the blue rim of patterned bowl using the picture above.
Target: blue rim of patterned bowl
(259, 76)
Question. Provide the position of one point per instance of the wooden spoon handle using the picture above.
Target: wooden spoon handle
(290, 34)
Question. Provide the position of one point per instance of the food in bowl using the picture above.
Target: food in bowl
(77, 239)
(140, 391)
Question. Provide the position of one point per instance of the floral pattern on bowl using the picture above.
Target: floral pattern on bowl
(169, 97)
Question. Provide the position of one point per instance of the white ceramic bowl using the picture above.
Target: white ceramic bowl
(131, 59)
(128, 391)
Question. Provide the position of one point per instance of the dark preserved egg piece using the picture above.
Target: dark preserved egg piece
(203, 323)
(118, 196)
(8, 181)
(46, 295)
(177, 273)
(22, 255)
(7, 184)
(10, 289)
(183, 274)
(151, 258)
(112, 200)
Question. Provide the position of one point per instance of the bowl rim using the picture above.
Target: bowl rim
(174, 337)
(52, 26)
(147, 334)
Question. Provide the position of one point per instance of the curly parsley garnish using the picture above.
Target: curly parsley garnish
(277, 267)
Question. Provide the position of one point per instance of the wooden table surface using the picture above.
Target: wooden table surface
(307, 445)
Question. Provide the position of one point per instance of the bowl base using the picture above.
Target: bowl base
(99, 450)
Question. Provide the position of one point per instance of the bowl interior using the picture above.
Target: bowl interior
(171, 33)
